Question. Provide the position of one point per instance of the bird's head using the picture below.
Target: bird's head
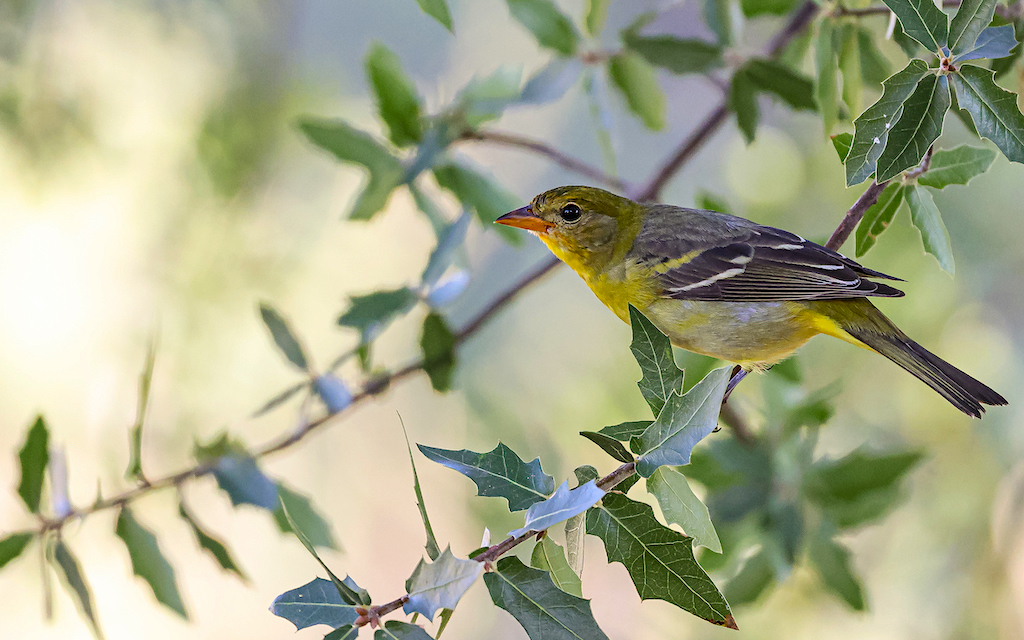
(584, 226)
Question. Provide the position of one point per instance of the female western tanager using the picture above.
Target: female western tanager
(729, 288)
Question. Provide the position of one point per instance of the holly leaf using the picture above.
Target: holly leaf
(344, 632)
(926, 217)
(922, 21)
(440, 584)
(561, 506)
(659, 560)
(680, 506)
(438, 10)
(398, 630)
(879, 216)
(545, 611)
(956, 166)
(636, 79)
(916, 129)
(653, 352)
(499, 472)
(625, 431)
(549, 26)
(12, 546)
(284, 337)
(210, 544)
(371, 314)
(678, 55)
(241, 478)
(148, 562)
(832, 560)
(34, 456)
(70, 572)
(971, 18)
(549, 556)
(610, 445)
(683, 422)
(438, 345)
(316, 602)
(993, 43)
(397, 100)
(842, 143)
(307, 520)
(993, 109)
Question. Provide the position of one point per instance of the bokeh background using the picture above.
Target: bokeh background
(153, 182)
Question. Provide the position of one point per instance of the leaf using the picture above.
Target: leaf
(332, 392)
(561, 506)
(12, 546)
(485, 98)
(756, 575)
(874, 65)
(922, 21)
(344, 632)
(283, 336)
(548, 556)
(310, 524)
(610, 445)
(148, 562)
(626, 431)
(241, 478)
(431, 547)
(970, 20)
(371, 314)
(70, 572)
(917, 128)
(549, 26)
(842, 142)
(638, 83)
(678, 55)
(207, 542)
(545, 611)
(397, 100)
(926, 217)
(659, 560)
(597, 14)
(956, 166)
(719, 19)
(316, 602)
(752, 8)
(34, 456)
(134, 470)
(742, 101)
(398, 630)
(711, 202)
(994, 42)
(993, 109)
(438, 345)
(857, 473)
(827, 64)
(280, 399)
(832, 560)
(794, 89)
(872, 126)
(552, 82)
(499, 472)
(653, 352)
(438, 10)
(683, 422)
(849, 63)
(680, 506)
(440, 584)
(575, 542)
(351, 145)
(476, 191)
(879, 216)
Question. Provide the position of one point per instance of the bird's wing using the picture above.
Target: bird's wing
(745, 262)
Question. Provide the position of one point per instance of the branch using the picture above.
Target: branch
(854, 214)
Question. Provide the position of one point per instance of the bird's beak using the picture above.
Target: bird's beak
(525, 218)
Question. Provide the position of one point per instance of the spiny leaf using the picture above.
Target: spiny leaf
(636, 79)
(680, 506)
(994, 42)
(299, 507)
(564, 504)
(397, 101)
(438, 10)
(210, 544)
(34, 456)
(544, 610)
(148, 562)
(549, 556)
(440, 584)
(993, 109)
(431, 547)
(438, 345)
(832, 560)
(12, 546)
(284, 337)
(917, 128)
(971, 18)
(371, 314)
(659, 560)
(499, 472)
(549, 26)
(922, 21)
(316, 602)
(956, 166)
(879, 216)
(653, 352)
(926, 217)
(682, 423)
(70, 572)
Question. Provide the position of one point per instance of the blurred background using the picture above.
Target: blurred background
(153, 183)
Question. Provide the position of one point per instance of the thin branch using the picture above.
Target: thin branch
(854, 214)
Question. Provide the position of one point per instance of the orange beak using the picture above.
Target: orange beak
(525, 218)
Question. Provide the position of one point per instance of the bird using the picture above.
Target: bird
(729, 288)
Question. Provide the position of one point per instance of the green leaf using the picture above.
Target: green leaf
(34, 456)
(438, 10)
(878, 216)
(345, 631)
(397, 99)
(283, 336)
(842, 142)
(970, 20)
(371, 314)
(653, 352)
(597, 14)
(849, 63)
(440, 584)
(431, 546)
(719, 19)
(873, 126)
(626, 431)
(957, 166)
(438, 345)
(148, 562)
(678, 55)
(12, 546)
(917, 128)
(485, 98)
(752, 8)
(742, 101)
(994, 42)
(874, 65)
(610, 445)
(659, 560)
(398, 630)
(549, 26)
(832, 560)
(544, 610)
(548, 556)
(683, 422)
(922, 21)
(636, 79)
(561, 506)
(210, 544)
(909, 46)
(316, 602)
(241, 478)
(926, 217)
(756, 575)
(70, 572)
(711, 202)
(773, 77)
(476, 191)
(826, 92)
(680, 506)
(299, 507)
(857, 473)
(134, 470)
(499, 472)
(280, 399)
(993, 109)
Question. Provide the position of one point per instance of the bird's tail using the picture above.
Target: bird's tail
(881, 335)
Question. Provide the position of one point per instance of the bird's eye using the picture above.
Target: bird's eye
(571, 212)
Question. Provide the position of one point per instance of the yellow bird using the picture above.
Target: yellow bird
(727, 287)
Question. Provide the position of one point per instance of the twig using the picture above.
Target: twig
(854, 214)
